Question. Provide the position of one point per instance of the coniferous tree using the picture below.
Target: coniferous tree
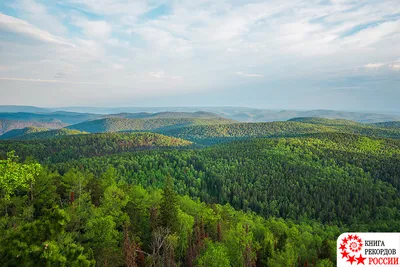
(168, 206)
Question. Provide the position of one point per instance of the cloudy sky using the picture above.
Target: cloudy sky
(336, 54)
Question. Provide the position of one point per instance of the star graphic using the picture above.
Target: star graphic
(344, 254)
(342, 247)
(355, 237)
(360, 259)
(344, 240)
(350, 237)
(351, 259)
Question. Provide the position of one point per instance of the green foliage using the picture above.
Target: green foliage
(168, 206)
(14, 175)
(215, 255)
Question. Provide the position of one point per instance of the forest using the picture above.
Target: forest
(148, 199)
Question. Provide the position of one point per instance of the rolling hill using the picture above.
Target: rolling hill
(88, 145)
(210, 134)
(30, 133)
(8, 125)
(325, 121)
(243, 114)
(59, 116)
(19, 133)
(145, 124)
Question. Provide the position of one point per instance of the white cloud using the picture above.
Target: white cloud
(249, 74)
(43, 80)
(111, 7)
(374, 65)
(37, 14)
(98, 29)
(16, 25)
(395, 66)
(118, 66)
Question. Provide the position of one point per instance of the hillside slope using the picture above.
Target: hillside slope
(145, 124)
(38, 133)
(325, 121)
(88, 145)
(8, 125)
(388, 124)
(19, 133)
(210, 134)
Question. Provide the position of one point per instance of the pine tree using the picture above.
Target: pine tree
(169, 206)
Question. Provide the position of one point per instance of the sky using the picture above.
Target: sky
(330, 54)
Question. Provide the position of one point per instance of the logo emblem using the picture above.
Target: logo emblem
(368, 249)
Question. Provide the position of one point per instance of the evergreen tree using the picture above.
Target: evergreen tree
(168, 206)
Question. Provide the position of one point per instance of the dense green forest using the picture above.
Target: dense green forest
(147, 199)
(80, 219)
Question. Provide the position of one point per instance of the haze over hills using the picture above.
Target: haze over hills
(236, 113)
(57, 116)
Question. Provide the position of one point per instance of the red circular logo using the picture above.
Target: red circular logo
(349, 245)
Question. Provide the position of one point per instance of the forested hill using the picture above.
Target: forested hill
(30, 133)
(325, 121)
(389, 124)
(87, 145)
(210, 134)
(8, 125)
(143, 124)
(18, 133)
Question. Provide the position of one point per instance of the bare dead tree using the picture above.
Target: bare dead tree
(160, 236)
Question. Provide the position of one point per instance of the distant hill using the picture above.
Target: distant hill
(262, 115)
(59, 116)
(169, 115)
(325, 121)
(88, 145)
(210, 134)
(145, 124)
(8, 125)
(15, 108)
(389, 124)
(30, 133)
(18, 133)
(243, 114)
(197, 114)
